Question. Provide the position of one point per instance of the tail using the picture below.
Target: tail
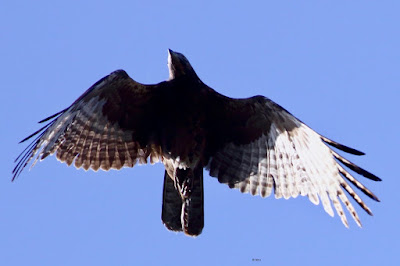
(183, 201)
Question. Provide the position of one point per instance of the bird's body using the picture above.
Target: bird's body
(251, 144)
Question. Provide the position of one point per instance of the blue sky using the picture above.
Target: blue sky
(335, 65)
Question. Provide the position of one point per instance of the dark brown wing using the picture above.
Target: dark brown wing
(111, 125)
(271, 150)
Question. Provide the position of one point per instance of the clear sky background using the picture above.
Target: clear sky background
(333, 64)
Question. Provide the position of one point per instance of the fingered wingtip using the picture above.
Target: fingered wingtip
(357, 152)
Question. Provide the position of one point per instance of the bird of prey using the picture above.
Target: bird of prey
(251, 144)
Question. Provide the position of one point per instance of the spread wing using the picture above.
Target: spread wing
(279, 153)
(109, 126)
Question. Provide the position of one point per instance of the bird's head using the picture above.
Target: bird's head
(178, 65)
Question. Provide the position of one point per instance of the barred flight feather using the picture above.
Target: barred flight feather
(83, 136)
(293, 161)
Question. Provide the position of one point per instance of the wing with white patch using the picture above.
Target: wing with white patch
(290, 159)
(107, 127)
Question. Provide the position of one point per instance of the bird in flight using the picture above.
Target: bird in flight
(251, 144)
